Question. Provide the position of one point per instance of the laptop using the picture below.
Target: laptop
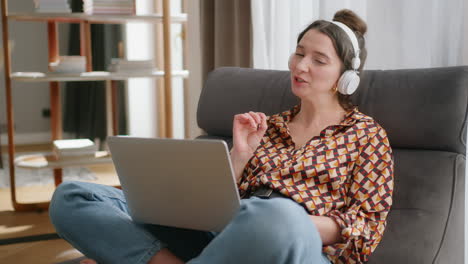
(176, 182)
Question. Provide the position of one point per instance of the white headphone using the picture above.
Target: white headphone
(349, 80)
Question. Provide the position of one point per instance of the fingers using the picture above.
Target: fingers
(251, 120)
(256, 120)
(264, 124)
(256, 116)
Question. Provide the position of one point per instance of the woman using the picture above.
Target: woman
(326, 169)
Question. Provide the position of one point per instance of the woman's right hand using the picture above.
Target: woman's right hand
(248, 130)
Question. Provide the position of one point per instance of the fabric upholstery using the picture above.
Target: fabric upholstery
(420, 108)
(424, 112)
(424, 196)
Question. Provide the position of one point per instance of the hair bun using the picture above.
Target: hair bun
(350, 19)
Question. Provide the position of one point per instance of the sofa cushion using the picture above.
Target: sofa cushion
(428, 195)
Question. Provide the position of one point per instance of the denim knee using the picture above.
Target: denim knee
(63, 200)
(283, 222)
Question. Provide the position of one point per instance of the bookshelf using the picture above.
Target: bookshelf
(38, 161)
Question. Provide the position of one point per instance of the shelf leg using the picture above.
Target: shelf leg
(55, 107)
(111, 120)
(167, 68)
(52, 41)
(161, 107)
(20, 207)
(185, 66)
(85, 44)
(56, 122)
(114, 107)
(82, 38)
(9, 103)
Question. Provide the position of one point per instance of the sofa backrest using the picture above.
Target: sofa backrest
(419, 108)
(424, 112)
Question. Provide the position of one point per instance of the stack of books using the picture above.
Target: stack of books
(69, 64)
(109, 7)
(132, 66)
(66, 149)
(52, 6)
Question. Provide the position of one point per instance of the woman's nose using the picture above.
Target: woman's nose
(303, 64)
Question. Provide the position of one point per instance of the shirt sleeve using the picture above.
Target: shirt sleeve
(243, 184)
(368, 202)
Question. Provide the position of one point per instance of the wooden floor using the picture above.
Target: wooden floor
(14, 224)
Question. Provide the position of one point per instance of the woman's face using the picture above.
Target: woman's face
(315, 66)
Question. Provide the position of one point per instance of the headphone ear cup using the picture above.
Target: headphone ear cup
(348, 82)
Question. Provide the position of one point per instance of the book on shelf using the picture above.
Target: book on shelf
(109, 7)
(131, 66)
(52, 6)
(69, 64)
(73, 148)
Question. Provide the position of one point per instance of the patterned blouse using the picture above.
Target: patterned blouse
(345, 173)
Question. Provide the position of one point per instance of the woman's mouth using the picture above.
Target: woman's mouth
(298, 80)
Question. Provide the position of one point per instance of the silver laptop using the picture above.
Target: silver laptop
(174, 182)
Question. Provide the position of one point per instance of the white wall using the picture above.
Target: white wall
(29, 53)
(141, 93)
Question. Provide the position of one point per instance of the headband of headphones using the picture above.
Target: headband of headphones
(356, 62)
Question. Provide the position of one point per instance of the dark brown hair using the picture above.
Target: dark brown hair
(342, 43)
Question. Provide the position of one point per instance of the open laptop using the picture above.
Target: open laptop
(176, 182)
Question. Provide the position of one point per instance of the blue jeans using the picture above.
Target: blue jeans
(95, 220)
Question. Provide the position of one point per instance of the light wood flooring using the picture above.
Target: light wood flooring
(15, 224)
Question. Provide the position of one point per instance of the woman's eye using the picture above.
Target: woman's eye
(320, 62)
(300, 55)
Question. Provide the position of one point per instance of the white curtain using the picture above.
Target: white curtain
(401, 33)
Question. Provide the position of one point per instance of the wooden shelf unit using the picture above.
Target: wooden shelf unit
(85, 21)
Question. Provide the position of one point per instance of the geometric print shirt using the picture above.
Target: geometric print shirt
(345, 173)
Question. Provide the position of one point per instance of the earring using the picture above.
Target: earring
(335, 89)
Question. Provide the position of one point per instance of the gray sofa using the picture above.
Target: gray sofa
(425, 114)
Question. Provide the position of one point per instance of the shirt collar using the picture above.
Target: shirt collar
(351, 117)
